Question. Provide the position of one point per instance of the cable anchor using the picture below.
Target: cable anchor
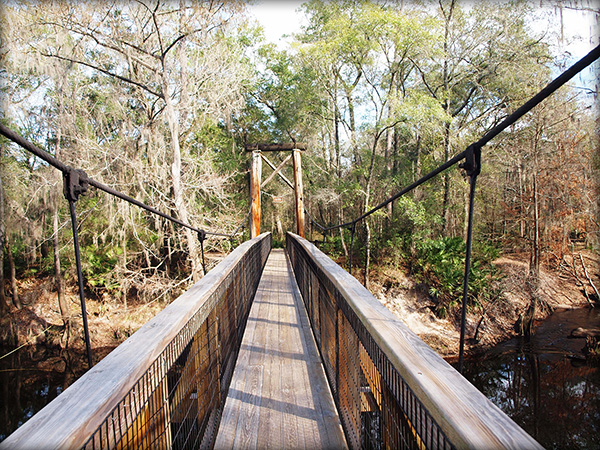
(202, 238)
(76, 183)
(472, 164)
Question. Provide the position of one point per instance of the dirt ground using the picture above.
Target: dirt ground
(412, 304)
(39, 321)
(111, 322)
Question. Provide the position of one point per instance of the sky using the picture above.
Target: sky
(580, 30)
(278, 18)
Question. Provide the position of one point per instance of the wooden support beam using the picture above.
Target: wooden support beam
(298, 189)
(276, 171)
(272, 166)
(275, 147)
(255, 175)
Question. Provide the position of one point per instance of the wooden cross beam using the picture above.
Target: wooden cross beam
(275, 147)
(276, 171)
(256, 185)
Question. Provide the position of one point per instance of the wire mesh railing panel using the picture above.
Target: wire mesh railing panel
(376, 407)
(176, 402)
(368, 355)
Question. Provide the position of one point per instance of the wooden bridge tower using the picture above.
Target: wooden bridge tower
(256, 183)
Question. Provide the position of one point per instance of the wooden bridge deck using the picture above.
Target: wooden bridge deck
(279, 396)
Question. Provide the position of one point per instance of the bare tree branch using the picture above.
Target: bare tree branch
(106, 72)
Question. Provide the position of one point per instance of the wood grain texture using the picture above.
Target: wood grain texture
(70, 419)
(291, 405)
(298, 191)
(255, 177)
(464, 414)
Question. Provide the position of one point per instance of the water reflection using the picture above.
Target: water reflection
(31, 379)
(544, 384)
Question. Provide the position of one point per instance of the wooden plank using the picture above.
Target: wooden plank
(465, 415)
(271, 424)
(276, 171)
(291, 406)
(276, 147)
(272, 166)
(299, 192)
(255, 175)
(249, 413)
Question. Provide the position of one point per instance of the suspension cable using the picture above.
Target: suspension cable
(543, 94)
(27, 145)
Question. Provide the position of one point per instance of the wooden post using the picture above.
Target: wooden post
(255, 176)
(298, 190)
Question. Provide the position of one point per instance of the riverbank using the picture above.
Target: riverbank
(487, 327)
(110, 321)
(38, 326)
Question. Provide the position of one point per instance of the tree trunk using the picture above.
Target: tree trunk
(366, 279)
(417, 193)
(352, 120)
(341, 231)
(389, 143)
(534, 264)
(180, 204)
(336, 131)
(58, 279)
(533, 279)
(62, 301)
(280, 232)
(367, 206)
(13, 277)
(446, 201)
(124, 283)
(4, 303)
(446, 104)
(521, 206)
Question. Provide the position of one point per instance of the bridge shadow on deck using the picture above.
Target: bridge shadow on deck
(279, 396)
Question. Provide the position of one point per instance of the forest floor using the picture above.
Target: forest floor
(559, 289)
(111, 322)
(40, 324)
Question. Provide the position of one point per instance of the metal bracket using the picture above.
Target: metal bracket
(202, 237)
(76, 183)
(472, 164)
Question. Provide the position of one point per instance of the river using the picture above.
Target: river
(30, 379)
(544, 384)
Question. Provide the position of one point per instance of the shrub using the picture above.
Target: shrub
(439, 264)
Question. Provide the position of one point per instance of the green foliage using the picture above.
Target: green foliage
(332, 246)
(439, 264)
(98, 265)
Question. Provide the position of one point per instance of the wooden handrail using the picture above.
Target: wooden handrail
(463, 414)
(71, 419)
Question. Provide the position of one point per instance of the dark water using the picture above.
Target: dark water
(544, 385)
(29, 380)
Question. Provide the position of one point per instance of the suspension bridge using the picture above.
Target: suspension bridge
(275, 349)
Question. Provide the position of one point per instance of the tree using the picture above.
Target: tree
(148, 52)
(487, 61)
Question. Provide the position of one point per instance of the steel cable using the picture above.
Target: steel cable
(18, 139)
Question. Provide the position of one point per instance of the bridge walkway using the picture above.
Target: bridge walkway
(279, 396)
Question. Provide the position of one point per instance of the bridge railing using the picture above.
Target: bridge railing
(391, 389)
(165, 387)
